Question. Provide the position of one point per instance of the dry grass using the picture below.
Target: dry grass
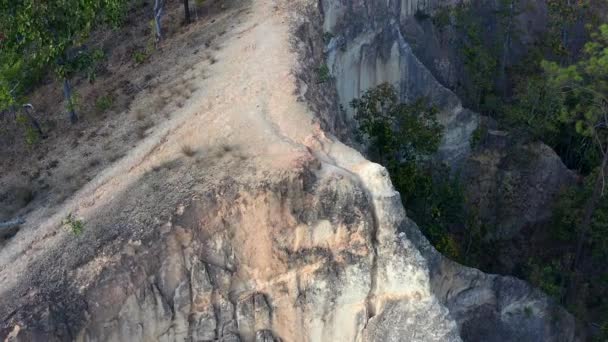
(139, 115)
(143, 128)
(141, 133)
(114, 157)
(103, 136)
(188, 151)
(94, 162)
(191, 87)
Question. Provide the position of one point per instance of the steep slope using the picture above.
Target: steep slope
(371, 44)
(243, 219)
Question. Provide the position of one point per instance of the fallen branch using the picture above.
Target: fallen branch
(12, 223)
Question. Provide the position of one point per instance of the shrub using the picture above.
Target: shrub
(74, 103)
(140, 56)
(103, 103)
(323, 74)
(327, 36)
(442, 17)
(188, 151)
(87, 62)
(397, 132)
(76, 226)
(478, 135)
(548, 277)
(31, 135)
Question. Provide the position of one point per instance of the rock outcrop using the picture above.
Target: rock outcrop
(270, 230)
(503, 180)
(367, 48)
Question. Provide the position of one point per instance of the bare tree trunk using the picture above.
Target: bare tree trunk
(158, 13)
(67, 93)
(187, 11)
(12, 223)
(564, 37)
(502, 77)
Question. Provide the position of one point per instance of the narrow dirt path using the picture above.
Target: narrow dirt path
(245, 102)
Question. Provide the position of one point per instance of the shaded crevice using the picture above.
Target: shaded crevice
(371, 296)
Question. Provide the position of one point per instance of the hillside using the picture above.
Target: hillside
(220, 195)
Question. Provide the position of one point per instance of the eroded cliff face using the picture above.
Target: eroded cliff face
(273, 230)
(368, 48)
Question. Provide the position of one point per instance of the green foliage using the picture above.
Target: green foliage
(570, 211)
(402, 137)
(397, 132)
(478, 135)
(584, 86)
(31, 135)
(564, 106)
(560, 102)
(435, 201)
(563, 15)
(16, 77)
(535, 108)
(49, 34)
(86, 62)
(103, 103)
(49, 29)
(75, 102)
(528, 311)
(323, 74)
(75, 225)
(548, 277)
(565, 228)
(442, 17)
(140, 56)
(480, 62)
(603, 335)
(327, 36)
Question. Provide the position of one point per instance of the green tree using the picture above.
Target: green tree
(403, 138)
(14, 79)
(507, 11)
(563, 15)
(479, 60)
(187, 11)
(534, 109)
(42, 34)
(397, 132)
(584, 105)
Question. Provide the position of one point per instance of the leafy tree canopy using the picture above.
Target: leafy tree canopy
(35, 35)
(397, 132)
(584, 86)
